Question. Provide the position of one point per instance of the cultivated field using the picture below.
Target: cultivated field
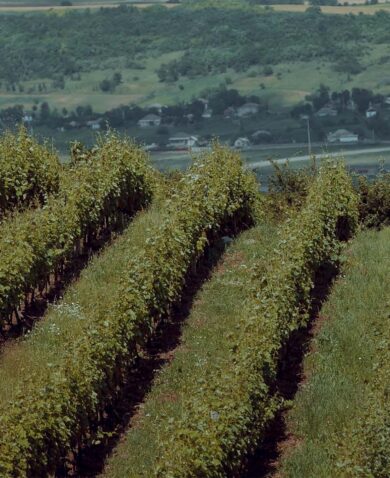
(24, 6)
(159, 310)
(336, 10)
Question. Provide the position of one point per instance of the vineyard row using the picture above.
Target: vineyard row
(226, 408)
(57, 408)
(95, 195)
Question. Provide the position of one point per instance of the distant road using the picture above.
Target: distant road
(343, 154)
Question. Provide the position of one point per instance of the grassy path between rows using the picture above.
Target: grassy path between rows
(340, 421)
(213, 318)
(82, 302)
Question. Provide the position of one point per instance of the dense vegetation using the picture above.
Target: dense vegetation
(57, 409)
(341, 416)
(375, 201)
(219, 397)
(210, 407)
(29, 172)
(212, 321)
(53, 46)
(112, 181)
(238, 392)
(62, 381)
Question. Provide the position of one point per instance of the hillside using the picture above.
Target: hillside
(58, 59)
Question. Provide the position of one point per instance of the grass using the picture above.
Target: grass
(342, 365)
(290, 83)
(213, 317)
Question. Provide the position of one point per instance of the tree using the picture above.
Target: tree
(321, 97)
(44, 113)
(84, 111)
(196, 108)
(12, 115)
(117, 78)
(362, 98)
(303, 109)
(105, 85)
(224, 98)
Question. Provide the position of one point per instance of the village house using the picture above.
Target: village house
(248, 109)
(27, 118)
(182, 141)
(242, 143)
(207, 113)
(343, 136)
(326, 111)
(149, 120)
(371, 112)
(94, 124)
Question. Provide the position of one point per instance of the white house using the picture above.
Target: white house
(27, 118)
(371, 112)
(326, 111)
(343, 136)
(182, 141)
(149, 120)
(248, 109)
(242, 143)
(207, 112)
(94, 124)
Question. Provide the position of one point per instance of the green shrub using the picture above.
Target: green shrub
(374, 207)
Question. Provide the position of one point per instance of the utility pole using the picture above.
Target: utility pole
(308, 136)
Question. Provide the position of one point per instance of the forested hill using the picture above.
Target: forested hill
(209, 40)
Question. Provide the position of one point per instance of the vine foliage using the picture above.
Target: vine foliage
(57, 410)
